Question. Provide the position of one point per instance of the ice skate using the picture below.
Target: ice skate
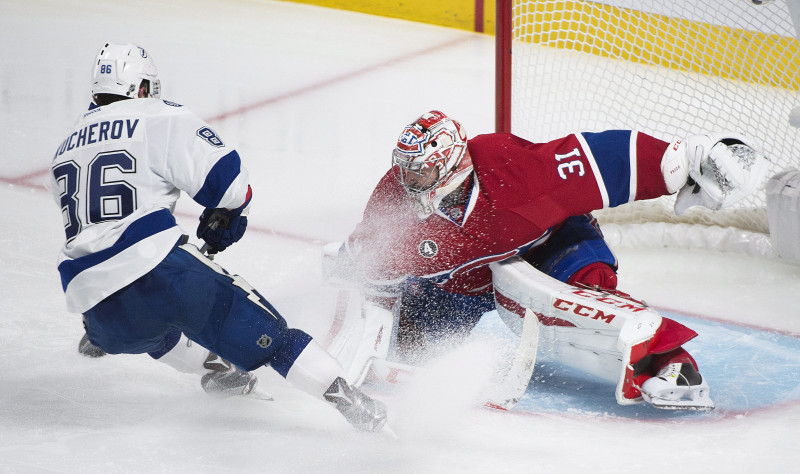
(88, 349)
(360, 410)
(677, 386)
(225, 379)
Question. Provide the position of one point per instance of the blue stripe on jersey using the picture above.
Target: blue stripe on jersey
(137, 231)
(218, 180)
(611, 150)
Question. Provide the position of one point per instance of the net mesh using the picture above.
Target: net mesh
(670, 69)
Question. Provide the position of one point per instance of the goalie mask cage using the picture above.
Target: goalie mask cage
(670, 69)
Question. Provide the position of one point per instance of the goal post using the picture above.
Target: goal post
(670, 69)
(503, 49)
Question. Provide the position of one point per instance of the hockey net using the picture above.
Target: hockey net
(670, 69)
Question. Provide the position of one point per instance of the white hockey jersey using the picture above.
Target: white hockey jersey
(117, 177)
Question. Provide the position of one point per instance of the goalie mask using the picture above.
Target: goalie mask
(430, 158)
(122, 69)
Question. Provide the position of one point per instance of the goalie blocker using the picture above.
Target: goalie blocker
(600, 333)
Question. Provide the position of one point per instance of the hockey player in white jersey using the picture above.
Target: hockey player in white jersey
(127, 266)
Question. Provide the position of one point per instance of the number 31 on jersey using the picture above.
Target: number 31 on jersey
(570, 167)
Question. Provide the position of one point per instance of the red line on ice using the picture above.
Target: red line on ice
(36, 179)
(28, 180)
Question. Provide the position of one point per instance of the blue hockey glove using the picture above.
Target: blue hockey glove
(220, 228)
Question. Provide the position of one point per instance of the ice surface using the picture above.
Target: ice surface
(315, 98)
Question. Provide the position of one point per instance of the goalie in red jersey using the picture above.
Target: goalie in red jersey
(450, 207)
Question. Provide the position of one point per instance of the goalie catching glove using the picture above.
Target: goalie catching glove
(714, 171)
(220, 228)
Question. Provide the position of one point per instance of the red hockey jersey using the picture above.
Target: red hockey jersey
(518, 192)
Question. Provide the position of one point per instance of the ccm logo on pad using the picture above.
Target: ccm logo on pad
(582, 310)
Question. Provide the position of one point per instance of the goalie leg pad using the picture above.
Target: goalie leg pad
(604, 334)
(361, 332)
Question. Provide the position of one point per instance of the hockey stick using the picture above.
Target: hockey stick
(204, 251)
(515, 380)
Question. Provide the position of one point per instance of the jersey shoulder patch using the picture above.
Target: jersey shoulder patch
(210, 136)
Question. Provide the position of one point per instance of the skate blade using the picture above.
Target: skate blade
(259, 395)
(388, 431)
(697, 405)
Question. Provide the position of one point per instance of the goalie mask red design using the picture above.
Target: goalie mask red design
(428, 153)
(412, 141)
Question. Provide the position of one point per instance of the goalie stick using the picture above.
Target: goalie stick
(515, 379)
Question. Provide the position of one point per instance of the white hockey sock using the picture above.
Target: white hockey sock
(314, 370)
(187, 357)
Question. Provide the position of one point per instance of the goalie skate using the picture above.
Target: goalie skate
(677, 386)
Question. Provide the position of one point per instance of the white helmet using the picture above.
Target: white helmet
(121, 69)
(429, 159)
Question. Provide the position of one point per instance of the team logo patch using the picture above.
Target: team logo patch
(264, 341)
(210, 136)
(428, 248)
(411, 141)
